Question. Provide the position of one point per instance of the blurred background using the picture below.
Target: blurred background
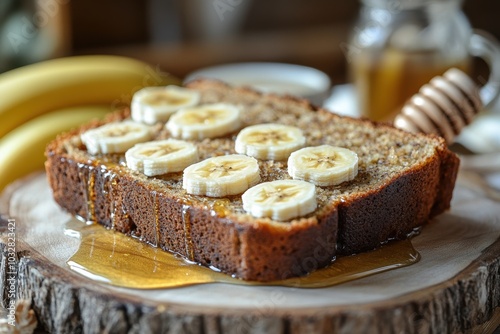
(183, 35)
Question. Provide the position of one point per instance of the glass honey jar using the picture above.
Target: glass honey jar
(399, 45)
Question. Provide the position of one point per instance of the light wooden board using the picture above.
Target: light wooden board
(454, 288)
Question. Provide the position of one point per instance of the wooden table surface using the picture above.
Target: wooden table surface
(320, 47)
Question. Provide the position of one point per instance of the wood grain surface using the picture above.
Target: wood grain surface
(65, 302)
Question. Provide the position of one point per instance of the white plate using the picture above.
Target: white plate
(447, 246)
(277, 78)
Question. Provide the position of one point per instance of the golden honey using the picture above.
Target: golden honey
(387, 80)
(114, 258)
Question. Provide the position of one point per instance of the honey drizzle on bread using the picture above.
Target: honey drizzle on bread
(403, 181)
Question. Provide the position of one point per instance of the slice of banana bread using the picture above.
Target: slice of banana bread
(403, 181)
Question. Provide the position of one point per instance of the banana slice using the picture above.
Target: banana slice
(151, 105)
(269, 141)
(221, 176)
(323, 165)
(115, 137)
(206, 121)
(161, 157)
(280, 200)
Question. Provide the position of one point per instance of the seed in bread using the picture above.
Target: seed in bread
(403, 181)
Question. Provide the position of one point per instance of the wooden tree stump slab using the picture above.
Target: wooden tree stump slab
(455, 288)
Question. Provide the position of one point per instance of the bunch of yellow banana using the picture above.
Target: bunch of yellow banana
(42, 100)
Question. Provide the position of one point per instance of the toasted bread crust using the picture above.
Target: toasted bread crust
(350, 218)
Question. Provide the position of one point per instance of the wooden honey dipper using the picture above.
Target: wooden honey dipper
(444, 106)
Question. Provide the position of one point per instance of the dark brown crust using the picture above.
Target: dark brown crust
(448, 171)
(390, 212)
(251, 249)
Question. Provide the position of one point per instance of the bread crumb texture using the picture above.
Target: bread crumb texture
(402, 180)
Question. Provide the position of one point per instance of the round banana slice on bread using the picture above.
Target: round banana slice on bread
(323, 165)
(269, 141)
(161, 157)
(280, 200)
(205, 121)
(221, 176)
(151, 105)
(115, 137)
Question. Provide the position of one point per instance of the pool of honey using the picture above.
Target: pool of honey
(117, 259)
